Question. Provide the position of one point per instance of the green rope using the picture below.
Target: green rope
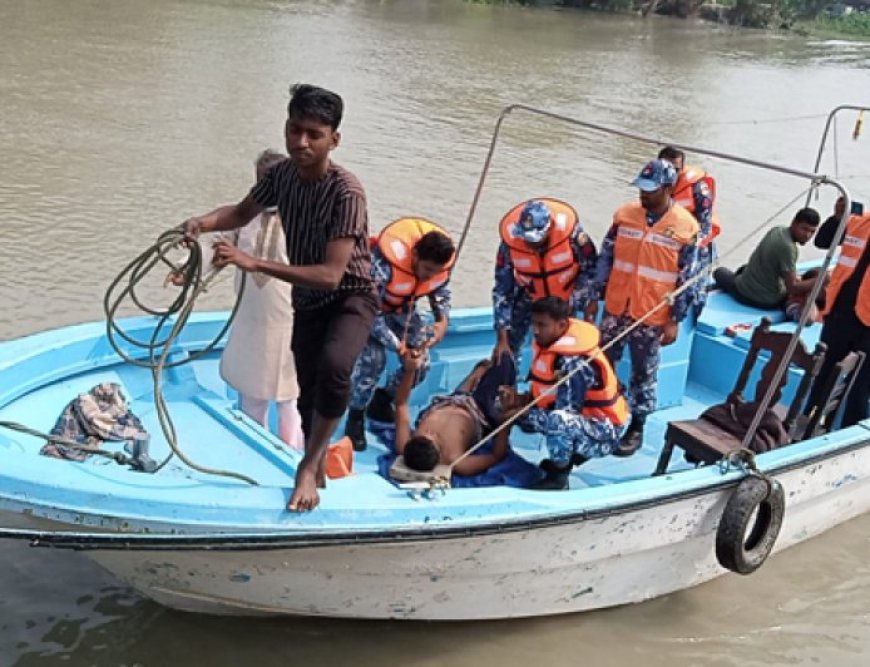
(158, 350)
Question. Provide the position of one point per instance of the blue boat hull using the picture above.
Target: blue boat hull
(616, 523)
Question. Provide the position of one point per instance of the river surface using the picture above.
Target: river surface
(119, 119)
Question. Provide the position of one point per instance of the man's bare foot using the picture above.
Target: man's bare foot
(304, 496)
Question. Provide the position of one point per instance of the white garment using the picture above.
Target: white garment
(257, 360)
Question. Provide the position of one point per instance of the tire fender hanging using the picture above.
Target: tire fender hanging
(750, 524)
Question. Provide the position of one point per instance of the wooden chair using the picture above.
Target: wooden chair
(821, 412)
(707, 443)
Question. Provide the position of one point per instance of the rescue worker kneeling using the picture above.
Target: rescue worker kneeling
(584, 416)
(411, 258)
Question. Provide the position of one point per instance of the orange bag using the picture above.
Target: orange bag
(339, 459)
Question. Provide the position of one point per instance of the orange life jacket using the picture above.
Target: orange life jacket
(854, 243)
(396, 242)
(552, 271)
(602, 401)
(684, 195)
(646, 260)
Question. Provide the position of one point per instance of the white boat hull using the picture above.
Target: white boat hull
(569, 566)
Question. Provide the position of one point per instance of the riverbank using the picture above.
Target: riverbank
(853, 26)
(803, 17)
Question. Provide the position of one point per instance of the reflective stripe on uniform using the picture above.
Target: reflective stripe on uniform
(854, 241)
(664, 241)
(848, 262)
(630, 232)
(655, 274)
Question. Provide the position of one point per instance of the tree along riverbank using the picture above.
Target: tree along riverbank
(822, 17)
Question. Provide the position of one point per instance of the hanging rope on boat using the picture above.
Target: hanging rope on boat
(158, 349)
(859, 124)
(668, 299)
(763, 121)
(118, 457)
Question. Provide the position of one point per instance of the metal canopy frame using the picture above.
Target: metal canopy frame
(813, 177)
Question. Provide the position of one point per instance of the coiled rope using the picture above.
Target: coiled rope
(158, 350)
(178, 312)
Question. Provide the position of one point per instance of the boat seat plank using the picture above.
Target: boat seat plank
(722, 311)
(705, 442)
(810, 335)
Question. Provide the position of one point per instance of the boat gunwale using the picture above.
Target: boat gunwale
(275, 540)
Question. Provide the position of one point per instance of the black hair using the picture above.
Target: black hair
(809, 216)
(670, 154)
(553, 306)
(435, 247)
(421, 453)
(307, 101)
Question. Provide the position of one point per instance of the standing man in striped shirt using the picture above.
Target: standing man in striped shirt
(323, 209)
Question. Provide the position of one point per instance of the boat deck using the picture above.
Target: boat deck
(213, 433)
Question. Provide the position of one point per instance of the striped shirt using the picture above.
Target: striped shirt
(315, 213)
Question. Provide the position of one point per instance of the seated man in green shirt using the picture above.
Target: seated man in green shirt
(770, 276)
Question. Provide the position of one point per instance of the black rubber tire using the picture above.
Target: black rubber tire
(743, 545)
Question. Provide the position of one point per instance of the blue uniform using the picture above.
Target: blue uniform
(645, 341)
(566, 430)
(707, 254)
(387, 334)
(512, 303)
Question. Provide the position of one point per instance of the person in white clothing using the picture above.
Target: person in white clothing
(257, 361)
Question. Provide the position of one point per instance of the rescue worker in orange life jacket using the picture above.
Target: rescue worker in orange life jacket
(411, 259)
(695, 191)
(847, 310)
(544, 251)
(649, 251)
(583, 417)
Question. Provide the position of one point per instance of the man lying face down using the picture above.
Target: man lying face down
(450, 425)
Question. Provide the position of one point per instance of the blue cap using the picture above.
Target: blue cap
(534, 222)
(654, 175)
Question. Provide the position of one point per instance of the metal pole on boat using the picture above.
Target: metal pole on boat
(483, 175)
(828, 123)
(805, 313)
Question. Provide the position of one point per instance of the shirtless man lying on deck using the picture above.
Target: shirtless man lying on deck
(450, 425)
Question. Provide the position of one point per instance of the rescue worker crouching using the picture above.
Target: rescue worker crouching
(411, 258)
(583, 417)
(649, 251)
(543, 252)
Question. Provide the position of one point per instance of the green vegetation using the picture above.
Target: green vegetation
(852, 25)
(804, 16)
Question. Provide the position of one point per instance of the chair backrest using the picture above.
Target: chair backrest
(776, 343)
(822, 412)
